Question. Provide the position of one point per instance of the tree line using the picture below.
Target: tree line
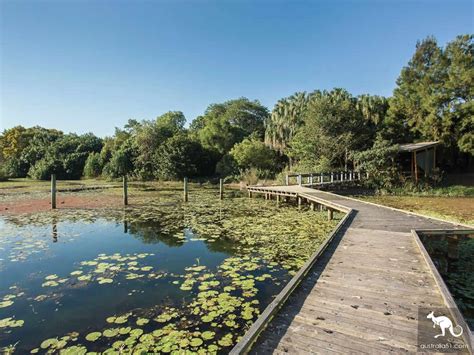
(318, 131)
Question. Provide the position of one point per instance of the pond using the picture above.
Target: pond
(158, 276)
(453, 256)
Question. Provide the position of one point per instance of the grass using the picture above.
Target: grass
(446, 191)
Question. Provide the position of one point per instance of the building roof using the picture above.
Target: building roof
(413, 147)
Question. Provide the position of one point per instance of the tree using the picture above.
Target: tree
(287, 116)
(379, 163)
(171, 123)
(434, 95)
(121, 162)
(149, 135)
(253, 153)
(180, 156)
(93, 166)
(226, 124)
(65, 157)
(333, 128)
(21, 147)
(460, 107)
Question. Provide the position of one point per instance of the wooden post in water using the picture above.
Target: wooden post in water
(125, 191)
(300, 201)
(287, 180)
(312, 206)
(332, 177)
(221, 189)
(278, 199)
(53, 191)
(330, 214)
(185, 188)
(250, 193)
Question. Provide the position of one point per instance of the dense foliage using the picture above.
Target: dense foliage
(319, 131)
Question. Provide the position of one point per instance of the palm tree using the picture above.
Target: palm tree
(285, 119)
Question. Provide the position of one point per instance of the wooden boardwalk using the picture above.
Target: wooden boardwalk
(363, 293)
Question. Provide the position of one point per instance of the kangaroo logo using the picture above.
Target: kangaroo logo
(444, 323)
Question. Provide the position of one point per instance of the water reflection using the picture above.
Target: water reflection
(453, 256)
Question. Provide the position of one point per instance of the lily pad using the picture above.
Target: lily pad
(195, 342)
(142, 321)
(111, 332)
(93, 336)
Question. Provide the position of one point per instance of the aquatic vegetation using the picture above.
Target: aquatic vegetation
(162, 276)
(10, 322)
(93, 336)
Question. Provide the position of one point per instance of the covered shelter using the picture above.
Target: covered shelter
(418, 158)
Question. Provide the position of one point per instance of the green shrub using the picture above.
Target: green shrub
(252, 153)
(227, 166)
(44, 168)
(93, 166)
(3, 175)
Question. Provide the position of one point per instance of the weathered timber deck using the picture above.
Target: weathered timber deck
(362, 295)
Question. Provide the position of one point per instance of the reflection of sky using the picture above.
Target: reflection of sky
(74, 306)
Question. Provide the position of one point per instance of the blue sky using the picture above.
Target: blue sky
(84, 66)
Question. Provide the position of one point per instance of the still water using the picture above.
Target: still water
(453, 256)
(146, 281)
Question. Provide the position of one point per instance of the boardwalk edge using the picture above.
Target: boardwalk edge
(468, 336)
(249, 338)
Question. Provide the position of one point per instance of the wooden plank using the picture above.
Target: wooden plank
(369, 287)
(250, 336)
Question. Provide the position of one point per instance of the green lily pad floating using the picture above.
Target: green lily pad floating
(195, 342)
(130, 341)
(111, 332)
(51, 277)
(11, 323)
(136, 332)
(48, 343)
(5, 304)
(225, 340)
(104, 280)
(50, 284)
(125, 330)
(74, 350)
(147, 338)
(75, 273)
(84, 278)
(207, 335)
(142, 321)
(120, 320)
(93, 336)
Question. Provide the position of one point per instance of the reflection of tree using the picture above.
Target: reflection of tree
(151, 232)
(454, 259)
(223, 245)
